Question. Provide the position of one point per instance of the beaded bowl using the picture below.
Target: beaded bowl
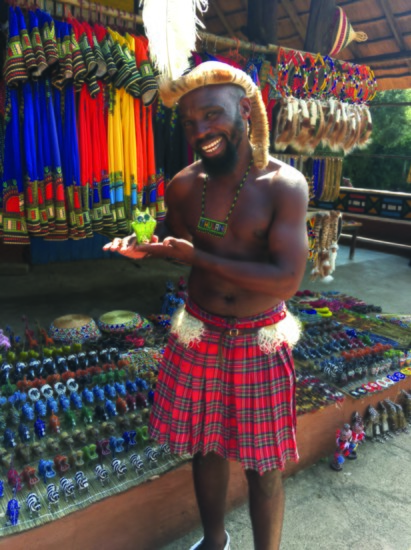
(122, 321)
(76, 328)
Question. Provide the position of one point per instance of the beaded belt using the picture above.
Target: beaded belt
(237, 328)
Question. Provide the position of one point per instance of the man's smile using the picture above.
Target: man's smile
(212, 147)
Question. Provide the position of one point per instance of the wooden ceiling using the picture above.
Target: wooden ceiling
(386, 22)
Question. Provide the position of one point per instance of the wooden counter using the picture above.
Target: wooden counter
(157, 512)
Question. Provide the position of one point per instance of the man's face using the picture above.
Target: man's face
(214, 126)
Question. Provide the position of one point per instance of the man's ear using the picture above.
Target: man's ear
(245, 107)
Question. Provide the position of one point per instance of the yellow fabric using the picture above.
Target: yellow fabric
(122, 143)
(115, 138)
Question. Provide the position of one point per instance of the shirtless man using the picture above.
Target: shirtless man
(226, 386)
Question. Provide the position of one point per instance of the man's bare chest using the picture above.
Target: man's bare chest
(247, 221)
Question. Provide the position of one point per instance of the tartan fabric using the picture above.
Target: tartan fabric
(242, 408)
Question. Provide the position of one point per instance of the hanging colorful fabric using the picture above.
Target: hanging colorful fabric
(28, 53)
(48, 36)
(116, 145)
(53, 174)
(37, 44)
(14, 222)
(14, 70)
(81, 193)
(79, 67)
(45, 227)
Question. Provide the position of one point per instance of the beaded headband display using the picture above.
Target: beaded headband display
(214, 73)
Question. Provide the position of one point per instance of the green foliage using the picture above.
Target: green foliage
(391, 136)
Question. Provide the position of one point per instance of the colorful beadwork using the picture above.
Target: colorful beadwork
(89, 332)
(214, 227)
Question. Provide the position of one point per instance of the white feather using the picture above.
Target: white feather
(171, 29)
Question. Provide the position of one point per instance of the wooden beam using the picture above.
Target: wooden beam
(319, 21)
(254, 18)
(392, 23)
(389, 76)
(289, 8)
(222, 18)
(393, 56)
(385, 6)
(262, 21)
(225, 42)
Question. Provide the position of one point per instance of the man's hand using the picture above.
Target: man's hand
(128, 247)
(171, 248)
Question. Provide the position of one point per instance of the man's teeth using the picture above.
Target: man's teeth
(211, 147)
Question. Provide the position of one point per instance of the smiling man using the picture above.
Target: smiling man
(226, 387)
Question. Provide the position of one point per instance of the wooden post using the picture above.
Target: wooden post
(262, 21)
(317, 38)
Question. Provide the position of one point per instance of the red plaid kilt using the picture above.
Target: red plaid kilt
(241, 407)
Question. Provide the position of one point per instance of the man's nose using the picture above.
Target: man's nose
(202, 129)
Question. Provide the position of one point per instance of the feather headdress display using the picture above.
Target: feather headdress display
(171, 29)
(212, 73)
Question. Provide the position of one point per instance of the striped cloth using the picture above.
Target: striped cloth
(240, 406)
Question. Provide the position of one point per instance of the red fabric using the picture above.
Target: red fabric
(242, 408)
(84, 138)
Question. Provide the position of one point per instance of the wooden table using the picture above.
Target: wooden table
(352, 228)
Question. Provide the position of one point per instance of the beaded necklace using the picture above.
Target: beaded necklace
(214, 227)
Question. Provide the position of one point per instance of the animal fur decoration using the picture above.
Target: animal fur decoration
(212, 73)
(304, 124)
(171, 29)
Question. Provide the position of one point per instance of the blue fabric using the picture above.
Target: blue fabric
(12, 149)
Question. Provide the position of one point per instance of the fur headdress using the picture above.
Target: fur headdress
(213, 73)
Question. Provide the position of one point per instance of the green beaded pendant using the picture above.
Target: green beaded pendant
(213, 227)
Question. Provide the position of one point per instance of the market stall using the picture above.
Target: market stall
(351, 359)
(98, 151)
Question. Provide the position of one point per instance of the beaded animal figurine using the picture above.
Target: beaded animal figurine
(342, 450)
(144, 227)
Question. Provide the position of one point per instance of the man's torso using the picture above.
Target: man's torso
(246, 239)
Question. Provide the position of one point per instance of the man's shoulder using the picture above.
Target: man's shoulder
(186, 176)
(282, 176)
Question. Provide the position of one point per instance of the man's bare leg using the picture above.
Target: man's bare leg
(266, 495)
(210, 474)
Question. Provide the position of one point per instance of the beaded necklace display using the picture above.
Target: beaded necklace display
(215, 227)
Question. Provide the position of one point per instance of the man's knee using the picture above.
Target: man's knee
(212, 459)
(268, 484)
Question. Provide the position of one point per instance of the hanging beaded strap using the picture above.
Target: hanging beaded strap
(215, 227)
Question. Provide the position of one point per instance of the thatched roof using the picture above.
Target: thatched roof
(386, 22)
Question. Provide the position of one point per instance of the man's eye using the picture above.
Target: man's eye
(187, 123)
(211, 114)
